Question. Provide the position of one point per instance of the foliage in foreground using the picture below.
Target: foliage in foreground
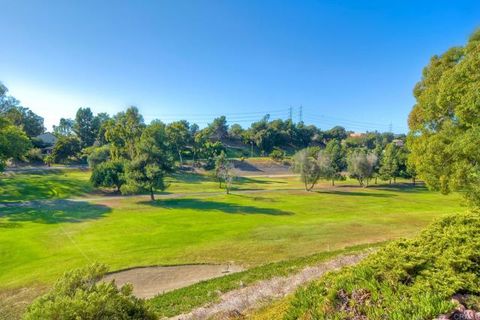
(408, 279)
(79, 295)
(186, 299)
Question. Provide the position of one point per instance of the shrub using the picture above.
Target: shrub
(34, 155)
(408, 279)
(80, 295)
(108, 174)
(277, 154)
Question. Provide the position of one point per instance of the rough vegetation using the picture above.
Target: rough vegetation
(80, 295)
(408, 279)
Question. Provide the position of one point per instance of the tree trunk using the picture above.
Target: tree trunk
(376, 179)
(413, 180)
(333, 182)
(394, 179)
(180, 157)
(390, 181)
(152, 195)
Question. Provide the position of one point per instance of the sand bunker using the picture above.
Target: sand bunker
(150, 281)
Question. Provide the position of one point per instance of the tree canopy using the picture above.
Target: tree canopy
(444, 122)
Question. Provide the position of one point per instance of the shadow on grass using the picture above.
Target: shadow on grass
(207, 205)
(58, 211)
(246, 180)
(191, 178)
(245, 166)
(357, 193)
(24, 187)
(403, 187)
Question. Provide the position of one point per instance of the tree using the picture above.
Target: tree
(444, 122)
(64, 128)
(337, 155)
(224, 171)
(123, 133)
(336, 133)
(312, 167)
(97, 155)
(65, 148)
(86, 127)
(178, 135)
(390, 163)
(218, 129)
(361, 166)
(236, 132)
(152, 161)
(110, 174)
(80, 294)
(19, 116)
(14, 143)
(101, 119)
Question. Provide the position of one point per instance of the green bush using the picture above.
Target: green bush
(408, 279)
(80, 295)
(277, 154)
(97, 155)
(110, 174)
(34, 155)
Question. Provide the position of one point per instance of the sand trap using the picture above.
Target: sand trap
(150, 281)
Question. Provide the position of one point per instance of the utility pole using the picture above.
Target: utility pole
(390, 129)
(300, 114)
(290, 112)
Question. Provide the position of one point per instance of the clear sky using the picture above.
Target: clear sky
(352, 63)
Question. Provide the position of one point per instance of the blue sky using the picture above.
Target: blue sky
(352, 63)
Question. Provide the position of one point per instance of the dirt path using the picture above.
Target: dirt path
(240, 300)
(149, 281)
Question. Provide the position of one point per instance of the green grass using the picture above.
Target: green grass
(185, 299)
(276, 221)
(40, 185)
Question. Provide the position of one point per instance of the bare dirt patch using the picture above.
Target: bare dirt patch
(149, 281)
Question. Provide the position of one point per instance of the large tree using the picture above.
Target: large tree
(361, 166)
(86, 127)
(123, 132)
(64, 127)
(66, 148)
(445, 121)
(390, 163)
(151, 163)
(338, 159)
(14, 143)
(24, 118)
(178, 135)
(312, 166)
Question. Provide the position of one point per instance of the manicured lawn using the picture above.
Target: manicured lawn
(39, 185)
(41, 240)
